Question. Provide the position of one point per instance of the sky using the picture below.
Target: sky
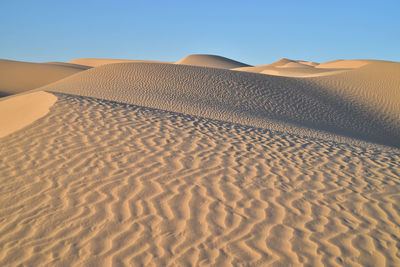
(254, 32)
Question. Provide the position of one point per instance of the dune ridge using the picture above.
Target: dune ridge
(313, 107)
(100, 183)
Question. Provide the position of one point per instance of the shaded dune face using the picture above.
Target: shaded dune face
(279, 103)
(17, 77)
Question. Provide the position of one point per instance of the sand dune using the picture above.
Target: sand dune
(17, 76)
(346, 64)
(96, 62)
(99, 183)
(303, 106)
(151, 164)
(211, 61)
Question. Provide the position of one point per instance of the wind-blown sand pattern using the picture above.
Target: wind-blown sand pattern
(205, 162)
(96, 183)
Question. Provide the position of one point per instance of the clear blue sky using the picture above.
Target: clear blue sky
(255, 32)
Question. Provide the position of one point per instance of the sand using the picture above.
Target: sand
(18, 112)
(17, 76)
(285, 104)
(211, 61)
(151, 164)
(301, 69)
(96, 62)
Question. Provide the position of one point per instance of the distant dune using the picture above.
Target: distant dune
(344, 64)
(17, 76)
(96, 62)
(211, 61)
(337, 105)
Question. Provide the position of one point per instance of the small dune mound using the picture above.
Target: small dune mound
(17, 76)
(303, 106)
(211, 61)
(96, 62)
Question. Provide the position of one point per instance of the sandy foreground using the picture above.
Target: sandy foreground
(206, 161)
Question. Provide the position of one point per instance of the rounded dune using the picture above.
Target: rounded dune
(303, 106)
(17, 76)
(211, 61)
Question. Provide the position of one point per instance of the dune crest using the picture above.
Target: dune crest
(19, 111)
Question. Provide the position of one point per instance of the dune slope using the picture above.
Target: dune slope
(17, 76)
(280, 103)
(100, 183)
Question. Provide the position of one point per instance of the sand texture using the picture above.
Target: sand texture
(17, 76)
(95, 183)
(312, 107)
